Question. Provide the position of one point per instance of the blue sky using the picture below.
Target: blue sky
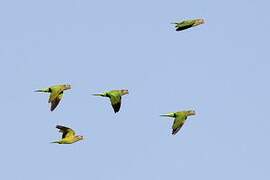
(220, 69)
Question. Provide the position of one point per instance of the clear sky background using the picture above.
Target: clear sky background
(220, 69)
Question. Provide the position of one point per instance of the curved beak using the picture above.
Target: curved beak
(68, 86)
(203, 21)
(192, 113)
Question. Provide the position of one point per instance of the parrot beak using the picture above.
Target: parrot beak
(192, 113)
(68, 86)
(203, 21)
(124, 91)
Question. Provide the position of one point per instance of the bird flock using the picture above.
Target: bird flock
(57, 91)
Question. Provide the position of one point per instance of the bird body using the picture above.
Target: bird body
(188, 24)
(179, 119)
(56, 94)
(68, 140)
(115, 97)
(68, 136)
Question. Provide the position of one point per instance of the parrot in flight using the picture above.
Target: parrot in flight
(56, 93)
(179, 119)
(115, 97)
(188, 24)
(68, 136)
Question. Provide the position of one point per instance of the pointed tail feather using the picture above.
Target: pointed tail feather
(103, 95)
(174, 131)
(55, 142)
(42, 90)
(167, 115)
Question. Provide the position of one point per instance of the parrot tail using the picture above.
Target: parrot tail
(103, 95)
(55, 142)
(42, 90)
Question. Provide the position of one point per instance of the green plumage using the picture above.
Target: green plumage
(179, 119)
(115, 97)
(56, 93)
(68, 136)
(188, 24)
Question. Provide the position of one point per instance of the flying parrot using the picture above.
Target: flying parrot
(188, 24)
(179, 119)
(68, 136)
(56, 93)
(115, 97)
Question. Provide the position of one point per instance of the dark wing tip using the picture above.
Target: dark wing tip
(59, 127)
(116, 107)
(174, 131)
(62, 127)
(54, 103)
(52, 107)
(180, 29)
(63, 130)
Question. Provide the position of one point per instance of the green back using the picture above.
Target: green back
(56, 101)
(184, 25)
(178, 121)
(55, 91)
(115, 97)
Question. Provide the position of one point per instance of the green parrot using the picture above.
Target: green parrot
(115, 97)
(188, 24)
(56, 93)
(179, 119)
(68, 136)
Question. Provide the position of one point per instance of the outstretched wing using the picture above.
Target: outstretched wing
(55, 92)
(177, 124)
(56, 101)
(184, 25)
(67, 132)
(116, 102)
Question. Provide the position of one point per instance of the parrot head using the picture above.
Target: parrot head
(191, 112)
(124, 91)
(67, 86)
(199, 21)
(79, 138)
